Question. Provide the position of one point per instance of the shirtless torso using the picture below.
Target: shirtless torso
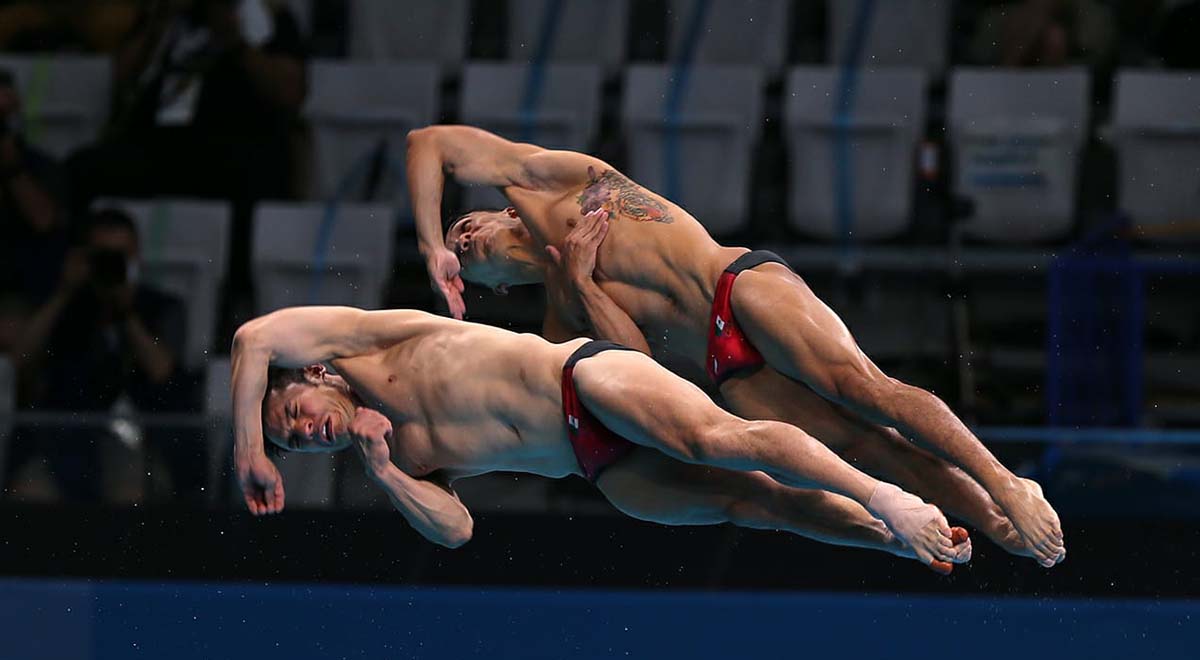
(657, 262)
(467, 399)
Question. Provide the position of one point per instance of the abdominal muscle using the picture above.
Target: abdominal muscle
(470, 399)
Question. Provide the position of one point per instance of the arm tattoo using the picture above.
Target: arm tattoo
(618, 195)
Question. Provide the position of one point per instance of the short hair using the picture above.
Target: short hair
(278, 378)
(456, 218)
(111, 218)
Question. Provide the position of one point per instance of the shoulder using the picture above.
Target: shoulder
(550, 168)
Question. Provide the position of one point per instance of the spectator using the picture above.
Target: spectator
(102, 334)
(1045, 33)
(33, 203)
(208, 94)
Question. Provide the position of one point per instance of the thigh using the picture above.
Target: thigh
(796, 332)
(649, 485)
(641, 401)
(767, 394)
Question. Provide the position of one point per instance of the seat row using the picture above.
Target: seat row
(690, 132)
(741, 32)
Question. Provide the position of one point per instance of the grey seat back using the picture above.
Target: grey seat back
(852, 175)
(360, 112)
(1157, 129)
(740, 32)
(699, 155)
(1016, 136)
(582, 31)
(557, 107)
(65, 98)
(908, 33)
(306, 254)
(415, 30)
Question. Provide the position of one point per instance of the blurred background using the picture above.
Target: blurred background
(1000, 198)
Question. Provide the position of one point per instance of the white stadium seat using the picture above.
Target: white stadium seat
(357, 108)
(888, 117)
(185, 252)
(1156, 124)
(718, 120)
(65, 98)
(1016, 136)
(304, 254)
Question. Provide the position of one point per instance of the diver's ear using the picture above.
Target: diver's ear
(314, 373)
(500, 289)
(512, 212)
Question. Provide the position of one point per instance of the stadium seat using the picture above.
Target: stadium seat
(185, 252)
(361, 114)
(1156, 124)
(910, 33)
(584, 31)
(742, 32)
(417, 30)
(870, 153)
(559, 108)
(698, 156)
(65, 98)
(1016, 136)
(316, 254)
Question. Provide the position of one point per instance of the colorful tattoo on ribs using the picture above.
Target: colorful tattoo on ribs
(618, 195)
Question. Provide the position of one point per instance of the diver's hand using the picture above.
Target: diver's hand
(371, 431)
(577, 260)
(443, 268)
(261, 482)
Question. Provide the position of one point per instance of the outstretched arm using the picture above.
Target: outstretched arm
(572, 288)
(294, 337)
(430, 505)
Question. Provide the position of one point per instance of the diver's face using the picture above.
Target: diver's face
(310, 417)
(485, 242)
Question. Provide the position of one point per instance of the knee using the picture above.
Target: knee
(733, 442)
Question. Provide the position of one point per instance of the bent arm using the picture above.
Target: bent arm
(470, 155)
(430, 506)
(300, 336)
(607, 320)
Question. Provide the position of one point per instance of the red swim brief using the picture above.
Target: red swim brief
(596, 447)
(729, 351)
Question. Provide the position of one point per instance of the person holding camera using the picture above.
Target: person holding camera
(100, 335)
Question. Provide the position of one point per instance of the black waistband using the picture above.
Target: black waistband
(755, 258)
(591, 348)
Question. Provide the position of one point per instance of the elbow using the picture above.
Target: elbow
(247, 337)
(458, 536)
(419, 136)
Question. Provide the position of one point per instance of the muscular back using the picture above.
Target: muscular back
(467, 399)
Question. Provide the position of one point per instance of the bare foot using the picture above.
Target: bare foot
(919, 526)
(1035, 521)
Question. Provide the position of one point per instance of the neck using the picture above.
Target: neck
(528, 266)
